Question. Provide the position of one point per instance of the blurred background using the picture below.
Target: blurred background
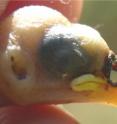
(102, 15)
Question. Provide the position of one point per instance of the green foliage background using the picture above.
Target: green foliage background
(102, 15)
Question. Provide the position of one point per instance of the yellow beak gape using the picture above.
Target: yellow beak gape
(87, 82)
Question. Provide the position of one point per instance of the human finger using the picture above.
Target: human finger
(70, 8)
(38, 114)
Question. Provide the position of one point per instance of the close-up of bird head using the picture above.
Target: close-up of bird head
(44, 58)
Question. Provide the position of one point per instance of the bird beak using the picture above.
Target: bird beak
(99, 90)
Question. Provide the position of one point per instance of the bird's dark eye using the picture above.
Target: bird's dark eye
(62, 56)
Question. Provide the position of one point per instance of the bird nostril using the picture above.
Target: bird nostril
(114, 64)
(62, 56)
(110, 68)
(114, 70)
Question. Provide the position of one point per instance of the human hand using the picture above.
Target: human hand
(70, 8)
(39, 114)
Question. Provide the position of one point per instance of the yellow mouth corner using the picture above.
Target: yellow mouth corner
(98, 89)
(87, 82)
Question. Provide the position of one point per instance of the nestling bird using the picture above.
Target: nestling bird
(44, 58)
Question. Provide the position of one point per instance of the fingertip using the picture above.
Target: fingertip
(40, 114)
(72, 9)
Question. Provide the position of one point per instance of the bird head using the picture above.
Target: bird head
(44, 58)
